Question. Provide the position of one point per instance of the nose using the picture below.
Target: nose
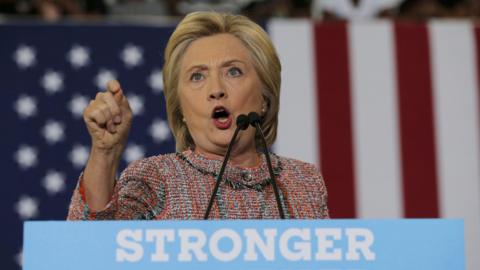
(217, 94)
(217, 89)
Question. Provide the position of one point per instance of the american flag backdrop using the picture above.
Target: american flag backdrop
(388, 111)
(49, 73)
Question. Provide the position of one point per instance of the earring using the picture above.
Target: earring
(264, 108)
(184, 120)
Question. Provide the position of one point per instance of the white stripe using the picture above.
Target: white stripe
(457, 127)
(377, 164)
(297, 130)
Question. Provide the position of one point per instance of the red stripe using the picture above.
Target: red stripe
(334, 121)
(416, 121)
(477, 51)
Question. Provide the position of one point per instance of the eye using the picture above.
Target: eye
(234, 72)
(196, 76)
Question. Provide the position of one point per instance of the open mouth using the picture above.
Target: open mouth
(222, 118)
(220, 114)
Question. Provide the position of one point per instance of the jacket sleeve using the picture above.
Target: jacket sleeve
(138, 194)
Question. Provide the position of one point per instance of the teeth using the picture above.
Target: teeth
(220, 113)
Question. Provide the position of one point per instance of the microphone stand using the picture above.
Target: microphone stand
(242, 124)
(255, 121)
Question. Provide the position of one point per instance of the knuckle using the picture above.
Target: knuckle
(107, 95)
(116, 109)
(95, 117)
(100, 119)
(113, 105)
(89, 109)
(106, 111)
(96, 113)
(110, 100)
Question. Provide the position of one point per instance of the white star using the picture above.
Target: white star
(19, 258)
(78, 56)
(155, 80)
(26, 106)
(25, 56)
(78, 156)
(136, 103)
(132, 55)
(27, 207)
(26, 156)
(52, 81)
(159, 130)
(102, 78)
(133, 152)
(53, 131)
(77, 105)
(54, 182)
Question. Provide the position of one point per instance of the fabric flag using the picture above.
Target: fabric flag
(390, 113)
(48, 74)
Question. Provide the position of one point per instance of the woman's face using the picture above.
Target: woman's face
(217, 83)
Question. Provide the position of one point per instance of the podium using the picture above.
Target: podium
(421, 244)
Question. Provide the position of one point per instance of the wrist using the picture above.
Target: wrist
(106, 154)
(106, 159)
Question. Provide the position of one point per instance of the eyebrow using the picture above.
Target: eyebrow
(224, 64)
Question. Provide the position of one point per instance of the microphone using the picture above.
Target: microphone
(242, 124)
(255, 121)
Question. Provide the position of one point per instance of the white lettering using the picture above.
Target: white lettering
(293, 244)
(236, 245)
(325, 243)
(136, 249)
(355, 244)
(189, 245)
(254, 240)
(159, 236)
(301, 249)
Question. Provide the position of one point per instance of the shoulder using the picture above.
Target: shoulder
(297, 170)
(298, 166)
(154, 165)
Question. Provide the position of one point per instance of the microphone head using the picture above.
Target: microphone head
(242, 121)
(254, 118)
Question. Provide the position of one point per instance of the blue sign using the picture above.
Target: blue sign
(421, 244)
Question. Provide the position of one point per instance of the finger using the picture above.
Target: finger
(107, 98)
(87, 112)
(100, 113)
(111, 127)
(105, 109)
(96, 117)
(118, 96)
(113, 86)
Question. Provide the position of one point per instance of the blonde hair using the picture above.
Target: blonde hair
(265, 60)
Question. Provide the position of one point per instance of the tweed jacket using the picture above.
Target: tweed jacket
(179, 186)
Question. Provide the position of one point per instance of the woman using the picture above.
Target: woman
(217, 66)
